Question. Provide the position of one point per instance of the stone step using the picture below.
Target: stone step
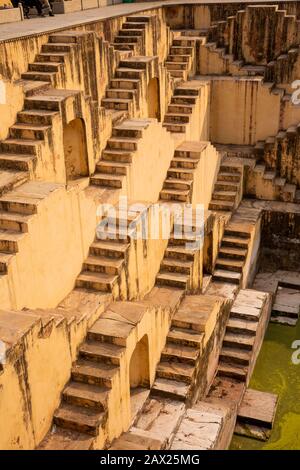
(65, 439)
(22, 146)
(230, 264)
(109, 249)
(107, 180)
(80, 419)
(181, 174)
(139, 18)
(112, 168)
(36, 116)
(180, 353)
(12, 202)
(44, 66)
(28, 131)
(233, 340)
(31, 87)
(177, 118)
(245, 312)
(134, 25)
(175, 195)
(184, 41)
(235, 242)
(235, 356)
(172, 65)
(216, 205)
(172, 389)
(102, 264)
(9, 241)
(285, 311)
(39, 76)
(227, 276)
(124, 83)
(117, 103)
(244, 327)
(53, 56)
(179, 58)
(20, 162)
(126, 46)
(183, 91)
(231, 231)
(178, 371)
(127, 39)
(180, 108)
(44, 102)
(226, 176)
(185, 337)
(130, 131)
(183, 99)
(94, 373)
(226, 186)
(172, 280)
(232, 253)
(122, 143)
(96, 281)
(86, 395)
(224, 196)
(14, 222)
(236, 372)
(176, 183)
(230, 169)
(184, 162)
(178, 74)
(129, 73)
(176, 266)
(131, 32)
(121, 93)
(181, 50)
(101, 352)
(57, 47)
(173, 127)
(137, 439)
(117, 155)
(179, 253)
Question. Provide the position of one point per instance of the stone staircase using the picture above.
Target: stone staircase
(228, 187)
(177, 373)
(116, 158)
(238, 347)
(104, 268)
(178, 185)
(181, 108)
(235, 244)
(131, 36)
(276, 159)
(17, 210)
(124, 90)
(82, 414)
(179, 62)
(48, 64)
(179, 266)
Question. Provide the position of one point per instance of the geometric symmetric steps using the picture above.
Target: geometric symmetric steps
(180, 59)
(226, 188)
(117, 156)
(240, 335)
(178, 184)
(181, 107)
(131, 36)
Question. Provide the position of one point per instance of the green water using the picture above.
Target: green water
(274, 372)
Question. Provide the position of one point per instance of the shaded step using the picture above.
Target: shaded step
(227, 276)
(103, 264)
(14, 222)
(101, 352)
(81, 419)
(109, 249)
(172, 279)
(180, 353)
(107, 180)
(96, 281)
(95, 373)
(175, 371)
(234, 340)
(236, 372)
(21, 162)
(216, 205)
(230, 264)
(185, 336)
(235, 325)
(230, 252)
(235, 356)
(176, 266)
(235, 242)
(86, 395)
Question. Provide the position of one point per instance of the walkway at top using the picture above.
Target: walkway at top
(36, 26)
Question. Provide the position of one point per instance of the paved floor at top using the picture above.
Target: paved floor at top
(35, 26)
